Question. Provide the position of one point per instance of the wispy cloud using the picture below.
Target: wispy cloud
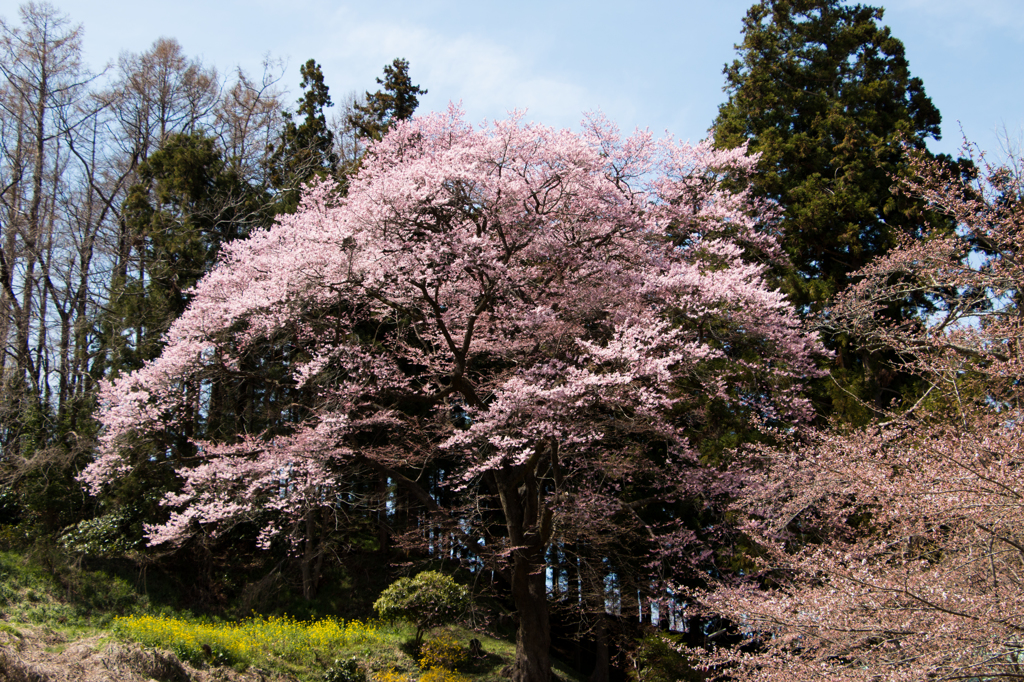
(489, 77)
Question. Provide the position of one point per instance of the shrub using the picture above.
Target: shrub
(656, 658)
(347, 670)
(104, 536)
(442, 652)
(428, 600)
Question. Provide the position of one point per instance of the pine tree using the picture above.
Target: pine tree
(396, 102)
(306, 148)
(184, 207)
(823, 91)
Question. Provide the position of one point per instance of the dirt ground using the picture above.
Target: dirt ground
(41, 655)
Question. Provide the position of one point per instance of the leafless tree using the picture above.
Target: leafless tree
(43, 85)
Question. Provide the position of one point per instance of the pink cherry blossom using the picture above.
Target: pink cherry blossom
(896, 552)
(521, 304)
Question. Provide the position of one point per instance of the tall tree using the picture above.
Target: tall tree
(248, 121)
(305, 149)
(186, 204)
(71, 146)
(161, 92)
(52, 220)
(500, 306)
(42, 81)
(154, 95)
(823, 92)
(397, 101)
(914, 568)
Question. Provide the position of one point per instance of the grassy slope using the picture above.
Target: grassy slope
(42, 589)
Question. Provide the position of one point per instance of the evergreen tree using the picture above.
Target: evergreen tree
(306, 148)
(823, 91)
(185, 205)
(396, 102)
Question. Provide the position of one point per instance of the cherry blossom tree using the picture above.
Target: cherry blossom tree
(540, 315)
(896, 552)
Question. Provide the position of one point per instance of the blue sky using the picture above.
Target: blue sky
(647, 64)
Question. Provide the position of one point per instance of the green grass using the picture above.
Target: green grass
(310, 649)
(316, 645)
(69, 598)
(306, 645)
(10, 630)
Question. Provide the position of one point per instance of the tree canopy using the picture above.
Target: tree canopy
(306, 148)
(895, 551)
(396, 101)
(429, 600)
(823, 91)
(507, 306)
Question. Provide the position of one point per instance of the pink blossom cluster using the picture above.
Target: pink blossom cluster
(545, 294)
(896, 552)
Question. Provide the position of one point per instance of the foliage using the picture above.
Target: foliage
(432, 675)
(346, 670)
(186, 204)
(823, 91)
(39, 586)
(430, 599)
(46, 267)
(305, 149)
(656, 658)
(100, 536)
(442, 675)
(895, 551)
(442, 651)
(540, 317)
(250, 641)
(397, 101)
(89, 276)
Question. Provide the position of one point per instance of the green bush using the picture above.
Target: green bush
(429, 600)
(346, 670)
(657, 659)
(103, 536)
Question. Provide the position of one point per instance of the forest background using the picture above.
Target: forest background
(122, 186)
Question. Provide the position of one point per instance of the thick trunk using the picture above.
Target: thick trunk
(533, 639)
(528, 522)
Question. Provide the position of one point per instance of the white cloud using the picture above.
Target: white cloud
(489, 77)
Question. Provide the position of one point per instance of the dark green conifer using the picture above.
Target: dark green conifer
(306, 148)
(396, 102)
(823, 91)
(185, 205)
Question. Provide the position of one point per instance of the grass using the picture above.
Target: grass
(253, 641)
(37, 589)
(311, 649)
(69, 598)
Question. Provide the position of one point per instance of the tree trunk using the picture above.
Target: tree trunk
(533, 638)
(519, 495)
(602, 663)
